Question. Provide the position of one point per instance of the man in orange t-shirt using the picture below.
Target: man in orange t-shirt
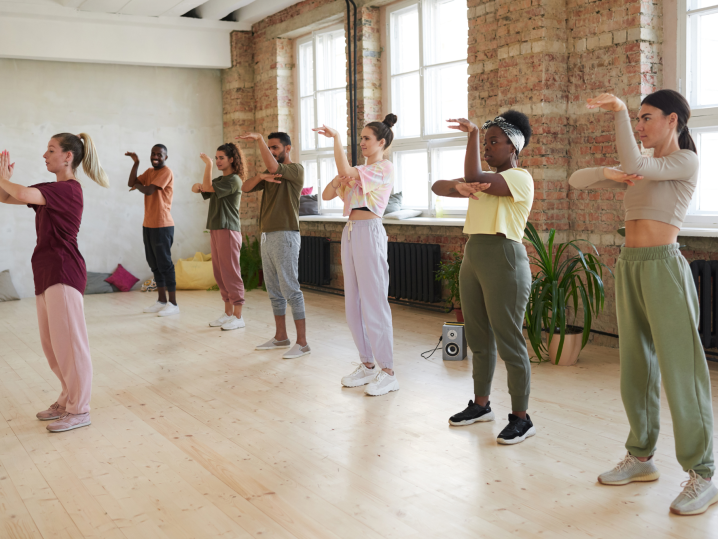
(157, 184)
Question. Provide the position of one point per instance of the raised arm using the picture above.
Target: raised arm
(340, 156)
(207, 178)
(269, 161)
(12, 193)
(133, 183)
(472, 162)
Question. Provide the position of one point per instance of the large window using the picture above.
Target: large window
(428, 41)
(322, 100)
(699, 83)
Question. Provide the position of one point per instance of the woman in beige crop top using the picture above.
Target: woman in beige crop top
(656, 300)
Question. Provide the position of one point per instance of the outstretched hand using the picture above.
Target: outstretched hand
(134, 157)
(617, 175)
(465, 125)
(328, 132)
(469, 190)
(271, 178)
(249, 136)
(6, 167)
(606, 102)
(206, 158)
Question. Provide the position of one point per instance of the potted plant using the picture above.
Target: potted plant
(567, 277)
(250, 262)
(449, 273)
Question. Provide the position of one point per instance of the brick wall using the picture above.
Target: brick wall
(542, 57)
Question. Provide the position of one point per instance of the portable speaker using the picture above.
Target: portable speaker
(454, 341)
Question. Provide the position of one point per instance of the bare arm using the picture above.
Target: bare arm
(458, 189)
(340, 157)
(12, 193)
(269, 161)
(330, 191)
(207, 178)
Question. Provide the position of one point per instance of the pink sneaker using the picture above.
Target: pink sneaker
(69, 421)
(53, 412)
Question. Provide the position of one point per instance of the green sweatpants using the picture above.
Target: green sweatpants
(657, 309)
(495, 280)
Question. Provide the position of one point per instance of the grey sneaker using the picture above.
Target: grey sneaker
(698, 494)
(630, 469)
(297, 351)
(273, 344)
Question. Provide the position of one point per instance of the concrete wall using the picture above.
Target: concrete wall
(123, 108)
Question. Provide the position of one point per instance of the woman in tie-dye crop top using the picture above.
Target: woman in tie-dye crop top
(365, 190)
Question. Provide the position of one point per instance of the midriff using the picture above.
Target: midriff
(649, 233)
(362, 215)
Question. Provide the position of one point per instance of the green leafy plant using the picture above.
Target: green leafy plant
(250, 262)
(566, 277)
(449, 273)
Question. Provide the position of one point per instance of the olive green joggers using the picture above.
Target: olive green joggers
(657, 309)
(495, 280)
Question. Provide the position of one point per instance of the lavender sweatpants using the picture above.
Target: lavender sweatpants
(63, 334)
(366, 290)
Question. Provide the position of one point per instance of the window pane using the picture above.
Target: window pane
(327, 172)
(307, 121)
(412, 178)
(405, 40)
(446, 36)
(332, 111)
(405, 102)
(331, 60)
(706, 75)
(446, 96)
(311, 175)
(448, 164)
(306, 69)
(698, 4)
(706, 195)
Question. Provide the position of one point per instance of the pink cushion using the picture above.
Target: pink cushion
(122, 279)
(307, 191)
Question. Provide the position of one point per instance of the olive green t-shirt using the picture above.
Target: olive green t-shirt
(280, 202)
(224, 203)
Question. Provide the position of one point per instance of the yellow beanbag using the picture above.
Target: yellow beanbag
(195, 272)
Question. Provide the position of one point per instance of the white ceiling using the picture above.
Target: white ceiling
(245, 11)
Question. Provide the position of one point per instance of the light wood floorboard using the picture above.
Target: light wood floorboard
(197, 435)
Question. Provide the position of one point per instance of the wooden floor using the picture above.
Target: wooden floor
(196, 435)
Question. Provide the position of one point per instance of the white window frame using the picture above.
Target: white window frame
(703, 118)
(316, 154)
(424, 141)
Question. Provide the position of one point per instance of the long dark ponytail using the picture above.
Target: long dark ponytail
(670, 101)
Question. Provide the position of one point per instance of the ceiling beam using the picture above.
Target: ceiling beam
(218, 9)
(256, 11)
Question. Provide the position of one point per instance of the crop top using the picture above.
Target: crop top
(372, 190)
(668, 183)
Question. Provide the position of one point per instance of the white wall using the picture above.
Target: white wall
(123, 108)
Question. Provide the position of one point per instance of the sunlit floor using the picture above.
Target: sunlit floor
(196, 435)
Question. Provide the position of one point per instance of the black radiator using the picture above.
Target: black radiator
(412, 270)
(705, 276)
(314, 261)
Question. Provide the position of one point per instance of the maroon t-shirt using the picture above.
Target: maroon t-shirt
(57, 259)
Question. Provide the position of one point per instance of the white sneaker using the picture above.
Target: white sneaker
(361, 376)
(697, 496)
(297, 351)
(169, 310)
(155, 308)
(382, 384)
(220, 321)
(630, 469)
(233, 323)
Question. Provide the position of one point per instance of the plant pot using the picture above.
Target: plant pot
(459, 316)
(569, 353)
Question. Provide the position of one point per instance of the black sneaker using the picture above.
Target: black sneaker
(473, 413)
(517, 430)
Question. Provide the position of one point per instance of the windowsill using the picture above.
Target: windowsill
(414, 221)
(698, 232)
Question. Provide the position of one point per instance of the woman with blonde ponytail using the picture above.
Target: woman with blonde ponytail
(59, 270)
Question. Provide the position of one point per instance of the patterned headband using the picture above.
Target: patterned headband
(514, 133)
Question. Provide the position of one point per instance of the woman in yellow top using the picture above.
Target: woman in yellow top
(495, 276)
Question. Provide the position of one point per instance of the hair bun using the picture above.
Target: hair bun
(390, 120)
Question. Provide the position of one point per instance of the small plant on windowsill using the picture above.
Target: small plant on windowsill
(448, 272)
(567, 277)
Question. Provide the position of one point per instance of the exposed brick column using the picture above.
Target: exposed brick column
(238, 115)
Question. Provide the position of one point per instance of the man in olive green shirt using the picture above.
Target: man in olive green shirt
(279, 226)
